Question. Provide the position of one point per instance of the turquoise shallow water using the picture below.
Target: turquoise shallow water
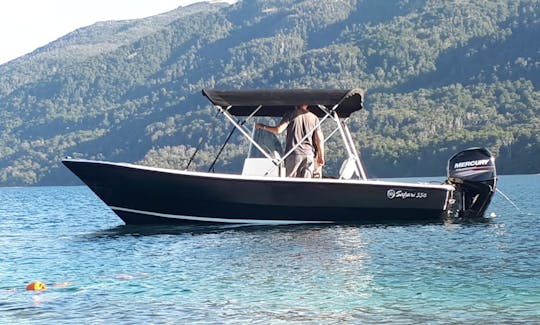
(107, 273)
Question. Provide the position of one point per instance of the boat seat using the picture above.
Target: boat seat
(262, 166)
(347, 169)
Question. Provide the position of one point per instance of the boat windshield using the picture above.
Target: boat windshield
(268, 141)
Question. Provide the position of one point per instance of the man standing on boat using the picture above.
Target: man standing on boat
(308, 151)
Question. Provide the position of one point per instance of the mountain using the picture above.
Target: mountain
(440, 76)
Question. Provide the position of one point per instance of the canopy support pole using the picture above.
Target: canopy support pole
(331, 135)
(347, 140)
(240, 127)
(358, 161)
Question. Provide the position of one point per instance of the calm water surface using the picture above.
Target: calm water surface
(101, 272)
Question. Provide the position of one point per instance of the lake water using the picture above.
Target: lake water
(99, 271)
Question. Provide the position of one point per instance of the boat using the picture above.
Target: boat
(262, 194)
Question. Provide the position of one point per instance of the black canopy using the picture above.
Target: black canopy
(276, 102)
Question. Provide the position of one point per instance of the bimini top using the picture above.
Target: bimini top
(276, 102)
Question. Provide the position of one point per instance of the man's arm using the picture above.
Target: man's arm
(319, 144)
(282, 126)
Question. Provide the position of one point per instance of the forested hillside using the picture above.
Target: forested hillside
(439, 76)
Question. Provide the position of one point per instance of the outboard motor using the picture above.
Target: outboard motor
(472, 172)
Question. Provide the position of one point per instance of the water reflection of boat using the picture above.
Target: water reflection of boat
(262, 195)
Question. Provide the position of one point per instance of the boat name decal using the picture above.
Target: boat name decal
(401, 194)
(471, 163)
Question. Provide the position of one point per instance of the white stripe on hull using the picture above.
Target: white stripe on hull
(221, 220)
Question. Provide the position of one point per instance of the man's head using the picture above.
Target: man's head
(302, 107)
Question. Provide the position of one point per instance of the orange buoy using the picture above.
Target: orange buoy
(36, 286)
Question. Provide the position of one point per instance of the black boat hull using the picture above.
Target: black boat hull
(145, 195)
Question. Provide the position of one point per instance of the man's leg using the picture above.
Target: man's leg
(293, 165)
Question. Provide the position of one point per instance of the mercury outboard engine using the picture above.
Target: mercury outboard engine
(472, 172)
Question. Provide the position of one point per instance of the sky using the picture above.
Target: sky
(26, 25)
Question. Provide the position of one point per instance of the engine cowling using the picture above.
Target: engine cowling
(473, 173)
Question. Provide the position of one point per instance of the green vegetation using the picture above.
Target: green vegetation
(440, 76)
